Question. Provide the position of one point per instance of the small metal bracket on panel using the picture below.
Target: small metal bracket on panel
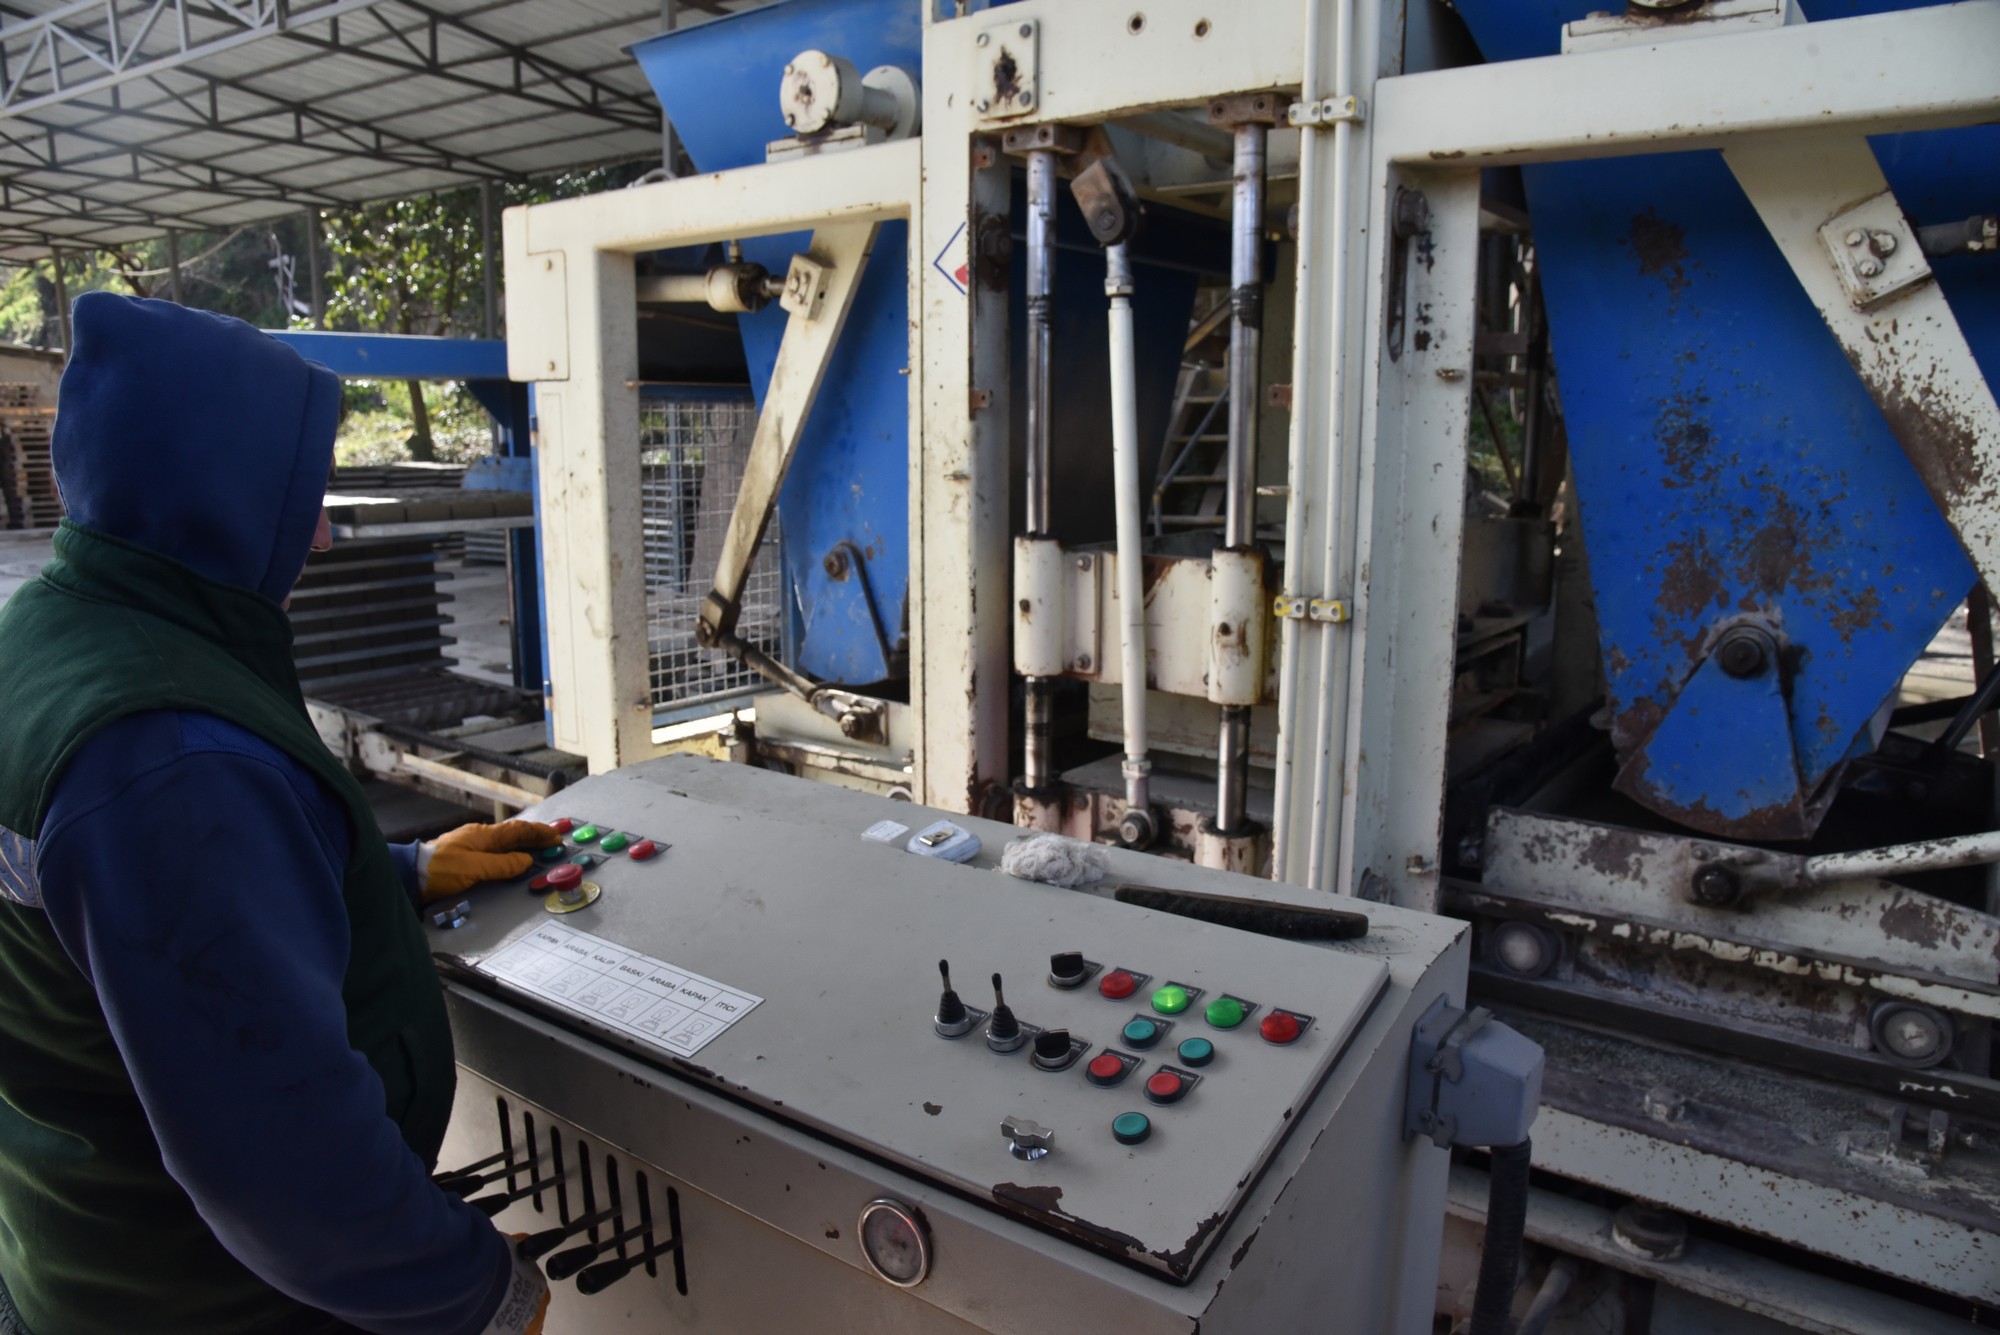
(1875, 251)
(1066, 140)
(805, 287)
(1245, 109)
(1332, 611)
(1325, 112)
(1005, 70)
(1327, 611)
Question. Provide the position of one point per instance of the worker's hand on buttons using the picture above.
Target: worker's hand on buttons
(526, 1302)
(462, 858)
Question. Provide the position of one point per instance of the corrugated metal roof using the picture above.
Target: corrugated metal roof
(142, 129)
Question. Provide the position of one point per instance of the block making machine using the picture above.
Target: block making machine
(1495, 460)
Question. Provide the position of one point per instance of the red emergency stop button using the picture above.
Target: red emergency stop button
(562, 825)
(642, 850)
(1165, 1087)
(1105, 1069)
(565, 877)
(1118, 985)
(1279, 1027)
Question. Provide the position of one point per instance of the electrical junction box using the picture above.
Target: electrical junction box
(730, 1056)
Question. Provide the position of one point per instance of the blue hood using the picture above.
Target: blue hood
(196, 436)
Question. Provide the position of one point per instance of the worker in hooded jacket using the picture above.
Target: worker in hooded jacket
(225, 1069)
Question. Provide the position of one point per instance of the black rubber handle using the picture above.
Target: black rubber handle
(540, 1244)
(564, 1264)
(603, 1275)
(492, 1205)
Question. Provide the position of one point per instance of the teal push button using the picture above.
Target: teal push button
(1141, 1033)
(1197, 1051)
(1131, 1128)
(553, 853)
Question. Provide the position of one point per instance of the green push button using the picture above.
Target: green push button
(1170, 1000)
(1131, 1128)
(1225, 1012)
(611, 843)
(1141, 1033)
(553, 853)
(585, 833)
(1197, 1051)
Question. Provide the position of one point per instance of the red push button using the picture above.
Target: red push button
(1279, 1027)
(1118, 985)
(562, 825)
(1105, 1069)
(540, 883)
(1165, 1087)
(642, 850)
(565, 877)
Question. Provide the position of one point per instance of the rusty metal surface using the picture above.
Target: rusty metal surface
(1729, 466)
(1581, 869)
(1787, 1157)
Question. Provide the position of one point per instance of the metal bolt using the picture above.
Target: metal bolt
(982, 104)
(1657, 1235)
(1868, 268)
(981, 40)
(1716, 885)
(1664, 1104)
(1882, 243)
(1854, 238)
(1025, 98)
(1027, 30)
(850, 725)
(1083, 662)
(1742, 655)
(1083, 563)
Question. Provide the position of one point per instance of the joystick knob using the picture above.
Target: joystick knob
(1027, 1139)
(1053, 1050)
(1066, 969)
(1003, 1031)
(952, 1019)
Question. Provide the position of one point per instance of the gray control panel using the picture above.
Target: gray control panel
(1142, 1071)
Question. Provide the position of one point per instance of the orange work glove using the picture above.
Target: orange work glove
(462, 858)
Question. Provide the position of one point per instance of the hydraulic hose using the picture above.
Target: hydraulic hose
(1500, 1255)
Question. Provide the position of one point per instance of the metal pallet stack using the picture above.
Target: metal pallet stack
(27, 477)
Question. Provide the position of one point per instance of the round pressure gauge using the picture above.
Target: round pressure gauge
(895, 1243)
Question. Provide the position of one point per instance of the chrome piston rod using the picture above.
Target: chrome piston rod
(1037, 767)
(1246, 299)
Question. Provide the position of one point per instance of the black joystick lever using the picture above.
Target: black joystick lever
(537, 1245)
(952, 1020)
(1003, 1032)
(1053, 1050)
(606, 1273)
(451, 1177)
(564, 1264)
(1066, 969)
(492, 1205)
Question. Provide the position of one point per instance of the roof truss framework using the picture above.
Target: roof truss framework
(121, 119)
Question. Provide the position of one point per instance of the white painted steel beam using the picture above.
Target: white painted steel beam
(572, 324)
(1411, 532)
(1914, 69)
(841, 252)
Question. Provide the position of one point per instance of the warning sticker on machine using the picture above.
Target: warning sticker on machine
(648, 999)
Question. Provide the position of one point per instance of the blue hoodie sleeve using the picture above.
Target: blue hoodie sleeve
(194, 874)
